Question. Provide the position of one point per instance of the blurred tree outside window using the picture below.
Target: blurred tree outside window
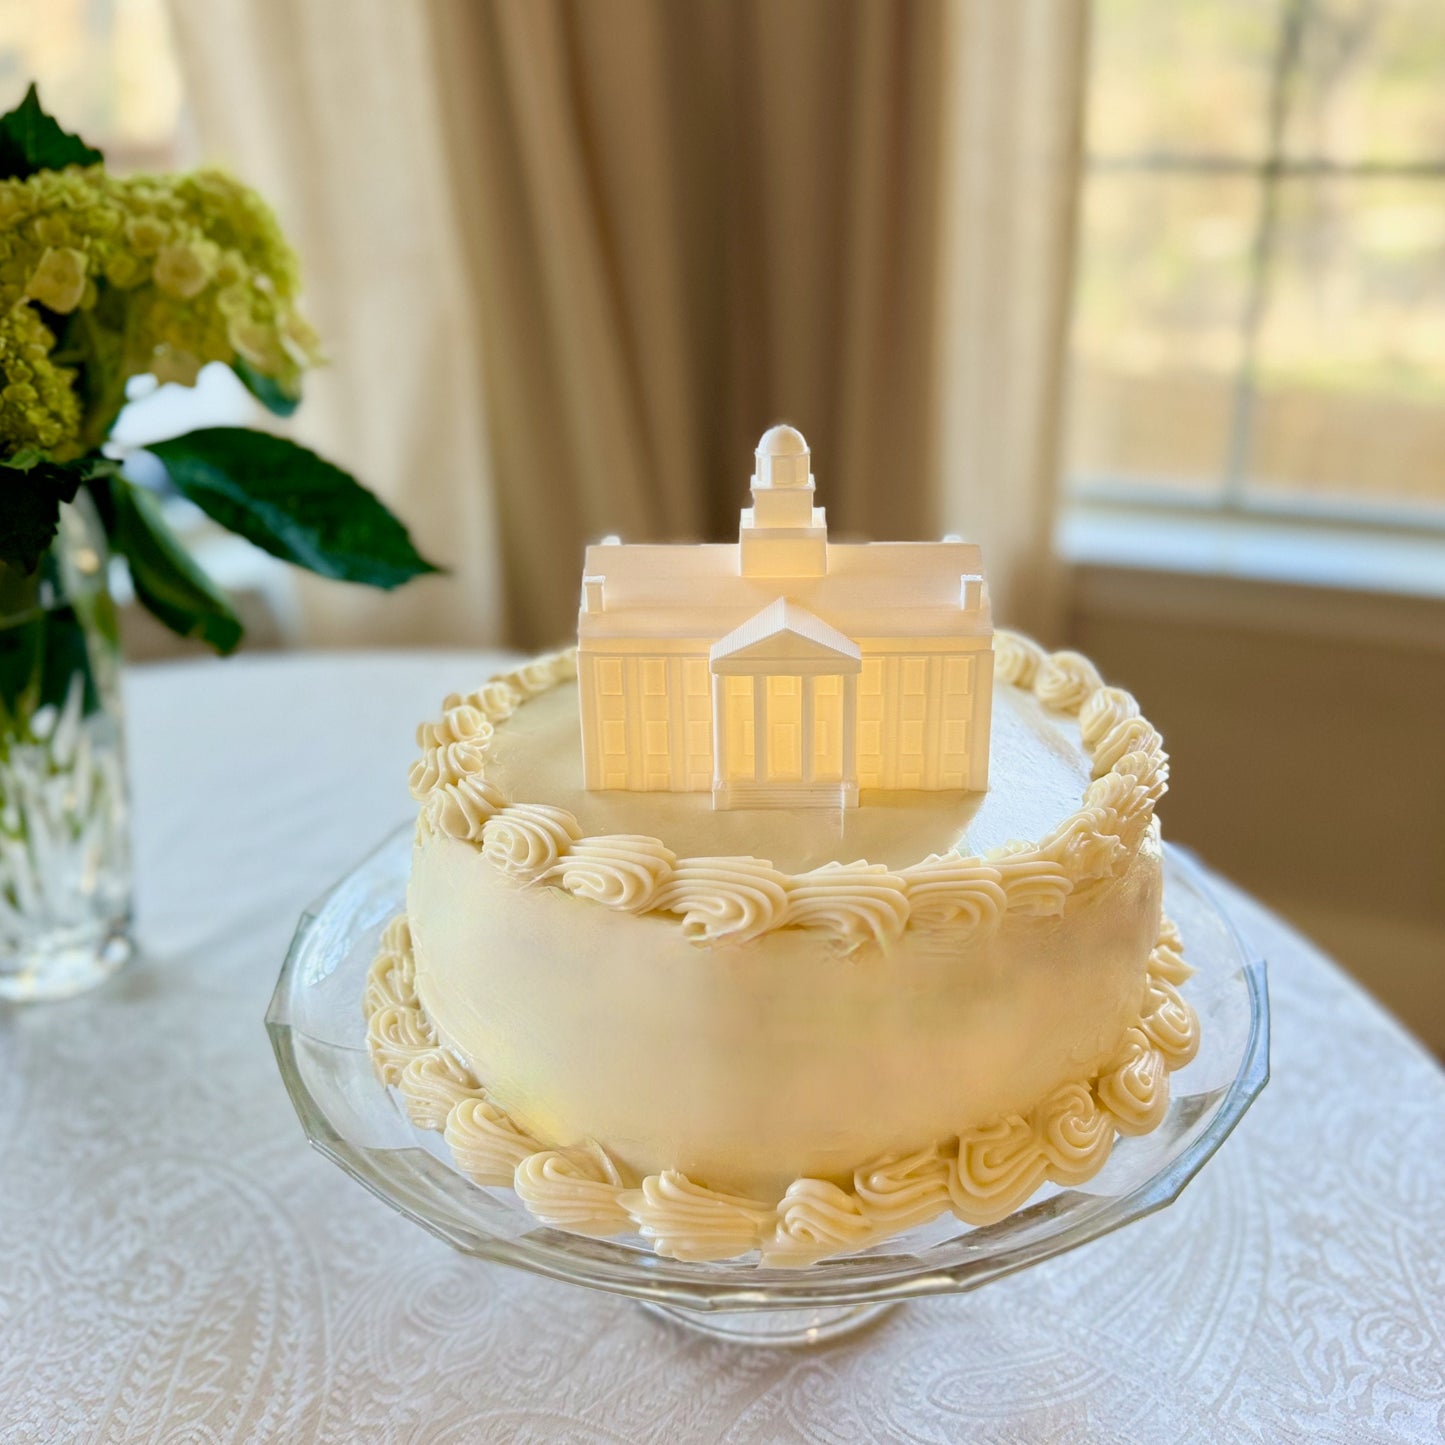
(106, 68)
(1260, 301)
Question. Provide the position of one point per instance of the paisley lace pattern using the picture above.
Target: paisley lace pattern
(981, 1176)
(737, 899)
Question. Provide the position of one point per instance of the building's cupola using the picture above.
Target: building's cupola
(783, 534)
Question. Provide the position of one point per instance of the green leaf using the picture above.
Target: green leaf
(31, 141)
(167, 580)
(266, 389)
(30, 498)
(293, 504)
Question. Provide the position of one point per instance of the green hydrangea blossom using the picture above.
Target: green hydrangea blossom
(103, 278)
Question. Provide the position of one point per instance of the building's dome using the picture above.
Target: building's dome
(782, 441)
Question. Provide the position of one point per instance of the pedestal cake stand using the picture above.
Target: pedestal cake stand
(319, 1035)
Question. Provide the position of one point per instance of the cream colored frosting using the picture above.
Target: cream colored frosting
(981, 1175)
(696, 1043)
(737, 897)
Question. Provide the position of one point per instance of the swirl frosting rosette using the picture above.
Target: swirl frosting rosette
(1074, 1134)
(1167, 961)
(1103, 712)
(1066, 680)
(395, 1035)
(902, 1190)
(524, 840)
(460, 723)
(1017, 658)
(484, 1141)
(1032, 883)
(725, 899)
(576, 1189)
(619, 870)
(996, 1169)
(444, 763)
(464, 808)
(391, 979)
(496, 700)
(1086, 845)
(431, 1085)
(1127, 803)
(858, 902)
(1131, 735)
(1169, 1023)
(946, 891)
(815, 1218)
(1134, 1087)
(1150, 770)
(690, 1222)
(540, 673)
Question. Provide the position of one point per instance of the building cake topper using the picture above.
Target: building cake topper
(784, 670)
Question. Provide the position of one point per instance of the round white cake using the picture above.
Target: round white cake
(791, 1032)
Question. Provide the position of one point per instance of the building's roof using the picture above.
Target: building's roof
(870, 590)
(782, 441)
(784, 632)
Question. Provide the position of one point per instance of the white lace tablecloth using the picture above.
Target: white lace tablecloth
(176, 1264)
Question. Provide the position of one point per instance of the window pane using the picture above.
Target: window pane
(1351, 398)
(1369, 84)
(1187, 75)
(1157, 328)
(107, 68)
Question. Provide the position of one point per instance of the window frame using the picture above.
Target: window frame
(1232, 497)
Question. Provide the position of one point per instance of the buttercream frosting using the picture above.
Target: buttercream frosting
(1056, 1120)
(737, 898)
(981, 1176)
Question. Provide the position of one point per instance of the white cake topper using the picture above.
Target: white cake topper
(785, 670)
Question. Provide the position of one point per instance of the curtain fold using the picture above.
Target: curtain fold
(669, 226)
(1010, 183)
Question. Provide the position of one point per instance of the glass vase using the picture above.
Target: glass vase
(65, 869)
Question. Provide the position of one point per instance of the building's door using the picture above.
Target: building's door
(785, 729)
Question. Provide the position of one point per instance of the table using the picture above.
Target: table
(179, 1266)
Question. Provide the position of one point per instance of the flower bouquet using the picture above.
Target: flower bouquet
(104, 279)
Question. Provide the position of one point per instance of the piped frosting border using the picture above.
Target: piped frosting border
(735, 899)
(980, 1176)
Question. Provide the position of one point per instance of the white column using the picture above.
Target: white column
(850, 728)
(809, 744)
(719, 734)
(760, 727)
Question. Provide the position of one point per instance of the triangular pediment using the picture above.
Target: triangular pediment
(781, 636)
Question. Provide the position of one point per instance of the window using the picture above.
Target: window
(1260, 306)
(107, 68)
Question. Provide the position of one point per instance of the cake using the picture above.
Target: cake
(793, 908)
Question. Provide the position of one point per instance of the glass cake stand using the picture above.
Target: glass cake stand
(317, 1030)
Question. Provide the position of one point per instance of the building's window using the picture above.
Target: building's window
(1260, 305)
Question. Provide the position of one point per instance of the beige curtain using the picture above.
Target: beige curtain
(330, 109)
(1010, 185)
(672, 224)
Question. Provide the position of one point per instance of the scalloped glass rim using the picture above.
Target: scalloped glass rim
(318, 1034)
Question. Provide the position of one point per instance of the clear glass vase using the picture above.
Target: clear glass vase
(65, 870)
